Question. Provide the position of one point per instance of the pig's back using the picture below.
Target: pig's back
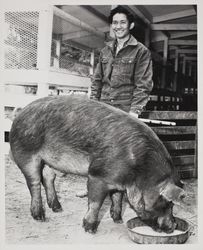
(79, 122)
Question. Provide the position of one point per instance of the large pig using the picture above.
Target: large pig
(116, 151)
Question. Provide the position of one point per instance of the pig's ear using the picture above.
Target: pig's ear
(173, 193)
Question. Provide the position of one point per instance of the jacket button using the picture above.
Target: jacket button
(111, 100)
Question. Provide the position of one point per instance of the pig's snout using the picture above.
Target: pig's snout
(166, 224)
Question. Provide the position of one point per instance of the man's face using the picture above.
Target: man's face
(120, 25)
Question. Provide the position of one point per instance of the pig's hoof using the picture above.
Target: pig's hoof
(90, 227)
(116, 217)
(39, 215)
(56, 206)
(57, 209)
(118, 221)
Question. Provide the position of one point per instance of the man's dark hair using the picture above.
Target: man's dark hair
(122, 10)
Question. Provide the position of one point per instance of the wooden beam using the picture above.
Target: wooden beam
(77, 34)
(190, 58)
(159, 47)
(174, 15)
(187, 51)
(139, 14)
(77, 45)
(95, 12)
(183, 159)
(145, 12)
(182, 26)
(182, 34)
(62, 14)
(169, 115)
(182, 42)
(183, 52)
(175, 130)
(177, 145)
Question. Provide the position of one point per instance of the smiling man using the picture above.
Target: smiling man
(123, 76)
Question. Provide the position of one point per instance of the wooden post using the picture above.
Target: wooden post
(42, 89)
(176, 71)
(176, 61)
(92, 63)
(190, 69)
(184, 66)
(165, 56)
(44, 47)
(147, 37)
(56, 62)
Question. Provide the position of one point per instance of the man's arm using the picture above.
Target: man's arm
(143, 81)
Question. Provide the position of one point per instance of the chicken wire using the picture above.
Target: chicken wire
(21, 38)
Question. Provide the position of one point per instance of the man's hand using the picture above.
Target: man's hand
(133, 114)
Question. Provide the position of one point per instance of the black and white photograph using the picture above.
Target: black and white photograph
(99, 121)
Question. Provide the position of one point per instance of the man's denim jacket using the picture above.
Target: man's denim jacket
(123, 80)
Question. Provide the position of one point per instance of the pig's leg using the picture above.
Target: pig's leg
(48, 178)
(97, 191)
(32, 171)
(116, 206)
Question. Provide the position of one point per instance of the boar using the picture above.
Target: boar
(117, 152)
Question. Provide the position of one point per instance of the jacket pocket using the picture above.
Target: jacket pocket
(127, 65)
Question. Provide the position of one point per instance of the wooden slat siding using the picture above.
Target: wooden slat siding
(196, 153)
(174, 130)
(182, 168)
(187, 173)
(169, 115)
(171, 136)
(183, 160)
(176, 145)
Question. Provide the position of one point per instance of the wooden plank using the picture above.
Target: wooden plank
(187, 172)
(177, 145)
(190, 58)
(175, 130)
(174, 15)
(168, 115)
(182, 34)
(182, 42)
(73, 20)
(138, 13)
(76, 34)
(184, 160)
(96, 13)
(187, 51)
(167, 26)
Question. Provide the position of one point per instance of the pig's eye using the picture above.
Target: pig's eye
(161, 205)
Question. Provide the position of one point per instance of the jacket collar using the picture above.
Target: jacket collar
(131, 41)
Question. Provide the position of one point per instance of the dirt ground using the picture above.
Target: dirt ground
(66, 227)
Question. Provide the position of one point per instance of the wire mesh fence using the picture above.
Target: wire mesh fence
(21, 37)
